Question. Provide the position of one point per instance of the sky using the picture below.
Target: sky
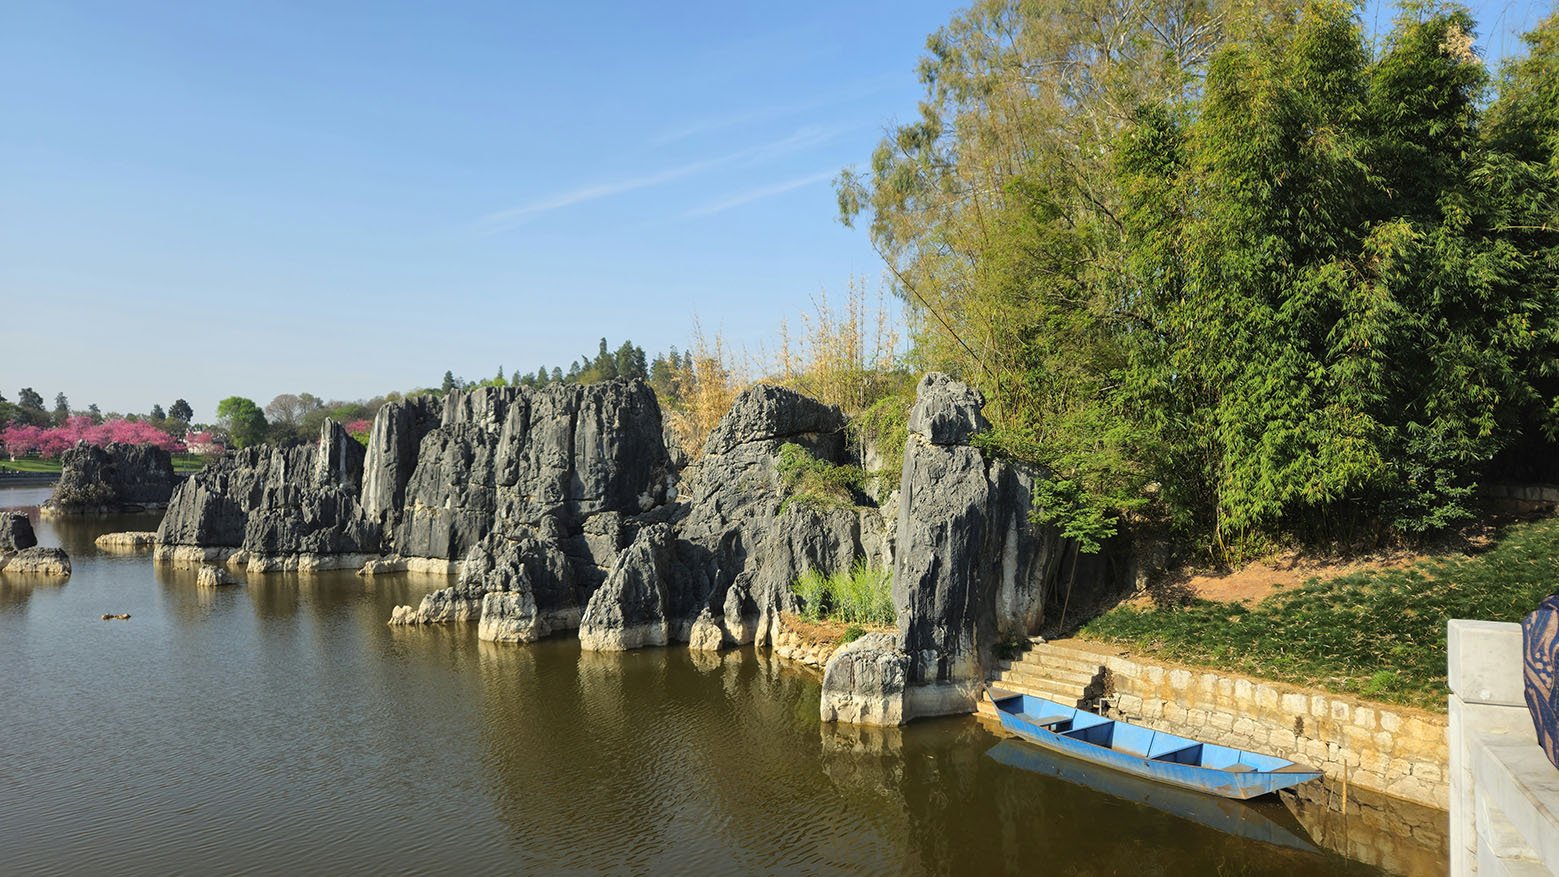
(212, 198)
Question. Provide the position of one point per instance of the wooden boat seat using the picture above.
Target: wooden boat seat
(1188, 754)
(1047, 721)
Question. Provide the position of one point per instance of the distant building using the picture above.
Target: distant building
(205, 442)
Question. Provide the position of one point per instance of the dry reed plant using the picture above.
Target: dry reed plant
(847, 357)
(710, 381)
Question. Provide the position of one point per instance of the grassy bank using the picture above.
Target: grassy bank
(183, 464)
(1377, 634)
(31, 466)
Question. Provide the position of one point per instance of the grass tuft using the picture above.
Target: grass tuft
(859, 595)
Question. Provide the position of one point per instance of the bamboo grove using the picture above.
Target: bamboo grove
(1236, 270)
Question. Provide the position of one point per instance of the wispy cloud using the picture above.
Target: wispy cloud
(802, 139)
(758, 194)
(766, 114)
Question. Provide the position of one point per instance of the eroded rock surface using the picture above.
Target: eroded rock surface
(211, 576)
(52, 563)
(970, 568)
(864, 682)
(288, 507)
(20, 554)
(111, 479)
(16, 532)
(129, 540)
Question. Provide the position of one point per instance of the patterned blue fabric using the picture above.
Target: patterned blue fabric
(1540, 648)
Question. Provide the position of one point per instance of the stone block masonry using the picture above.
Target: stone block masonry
(1504, 793)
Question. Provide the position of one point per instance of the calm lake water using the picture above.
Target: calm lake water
(283, 727)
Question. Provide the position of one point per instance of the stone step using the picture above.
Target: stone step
(1065, 649)
(1048, 693)
(1056, 678)
(1040, 657)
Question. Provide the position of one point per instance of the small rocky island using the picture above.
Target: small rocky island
(112, 479)
(20, 554)
(561, 509)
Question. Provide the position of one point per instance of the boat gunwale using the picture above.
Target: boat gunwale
(1120, 759)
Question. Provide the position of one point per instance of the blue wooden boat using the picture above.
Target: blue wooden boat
(1156, 755)
(1262, 821)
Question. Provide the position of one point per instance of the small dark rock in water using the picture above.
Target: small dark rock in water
(124, 616)
(15, 532)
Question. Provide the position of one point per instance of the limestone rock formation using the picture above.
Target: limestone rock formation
(110, 479)
(504, 458)
(212, 576)
(393, 445)
(737, 553)
(864, 682)
(636, 607)
(288, 507)
(16, 532)
(970, 568)
(19, 554)
(127, 541)
(51, 563)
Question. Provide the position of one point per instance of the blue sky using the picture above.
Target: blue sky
(212, 198)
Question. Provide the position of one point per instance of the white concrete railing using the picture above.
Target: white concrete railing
(1504, 792)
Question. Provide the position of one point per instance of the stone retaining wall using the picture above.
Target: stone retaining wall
(1398, 751)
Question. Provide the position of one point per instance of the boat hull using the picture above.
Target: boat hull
(1244, 784)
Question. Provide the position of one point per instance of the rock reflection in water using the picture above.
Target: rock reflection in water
(962, 812)
(283, 722)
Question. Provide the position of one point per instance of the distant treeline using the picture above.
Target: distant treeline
(666, 372)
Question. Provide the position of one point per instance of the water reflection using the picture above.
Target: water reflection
(1265, 821)
(1397, 836)
(283, 721)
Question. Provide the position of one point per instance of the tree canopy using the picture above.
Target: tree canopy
(1231, 268)
(243, 420)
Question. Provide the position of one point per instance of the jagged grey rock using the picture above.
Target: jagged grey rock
(521, 588)
(16, 532)
(20, 555)
(507, 457)
(970, 566)
(287, 507)
(113, 478)
(634, 607)
(947, 411)
(393, 444)
(737, 553)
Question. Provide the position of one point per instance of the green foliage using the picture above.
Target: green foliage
(244, 421)
(885, 425)
(1011, 648)
(1379, 633)
(859, 595)
(1256, 282)
(181, 410)
(851, 634)
(817, 483)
